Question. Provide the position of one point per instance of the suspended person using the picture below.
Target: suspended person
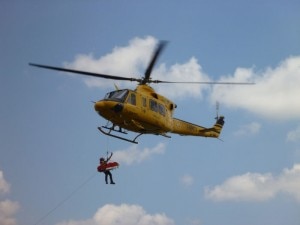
(102, 168)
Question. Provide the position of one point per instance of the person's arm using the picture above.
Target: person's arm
(109, 157)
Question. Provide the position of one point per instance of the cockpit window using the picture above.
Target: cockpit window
(118, 95)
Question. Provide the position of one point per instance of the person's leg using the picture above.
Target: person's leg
(106, 174)
(110, 177)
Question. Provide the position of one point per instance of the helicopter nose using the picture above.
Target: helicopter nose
(99, 106)
(107, 106)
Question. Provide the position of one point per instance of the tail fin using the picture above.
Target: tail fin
(218, 125)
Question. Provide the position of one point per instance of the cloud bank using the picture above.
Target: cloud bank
(257, 187)
(132, 61)
(128, 61)
(123, 214)
(275, 94)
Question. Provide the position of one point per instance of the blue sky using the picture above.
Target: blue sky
(50, 145)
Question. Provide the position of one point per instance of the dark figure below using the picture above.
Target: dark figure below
(107, 173)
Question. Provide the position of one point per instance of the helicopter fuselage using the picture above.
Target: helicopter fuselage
(144, 111)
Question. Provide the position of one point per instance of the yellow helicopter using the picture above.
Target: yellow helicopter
(143, 110)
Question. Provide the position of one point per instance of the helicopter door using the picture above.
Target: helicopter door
(132, 99)
(144, 102)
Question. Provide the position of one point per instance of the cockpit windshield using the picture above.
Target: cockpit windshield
(118, 95)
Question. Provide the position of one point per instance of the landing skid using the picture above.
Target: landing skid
(115, 136)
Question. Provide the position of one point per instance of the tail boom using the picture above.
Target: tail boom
(185, 128)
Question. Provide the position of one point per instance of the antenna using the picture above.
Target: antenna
(116, 87)
(217, 110)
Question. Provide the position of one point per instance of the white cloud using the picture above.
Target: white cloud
(4, 185)
(289, 181)
(190, 71)
(135, 155)
(123, 214)
(275, 94)
(128, 61)
(7, 211)
(247, 187)
(294, 135)
(187, 180)
(248, 129)
(8, 208)
(132, 61)
(257, 187)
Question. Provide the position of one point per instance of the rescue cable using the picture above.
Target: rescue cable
(65, 199)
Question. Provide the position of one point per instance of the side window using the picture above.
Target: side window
(153, 105)
(161, 109)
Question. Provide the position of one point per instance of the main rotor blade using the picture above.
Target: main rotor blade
(157, 52)
(202, 82)
(105, 76)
